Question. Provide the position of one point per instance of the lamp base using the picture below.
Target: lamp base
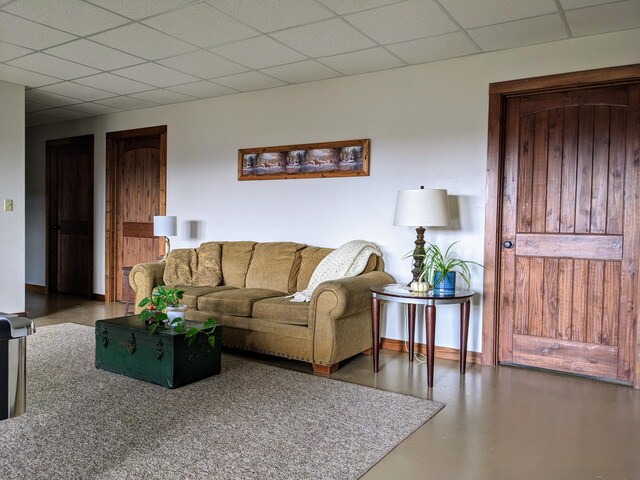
(418, 251)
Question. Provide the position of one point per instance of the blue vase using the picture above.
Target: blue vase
(446, 286)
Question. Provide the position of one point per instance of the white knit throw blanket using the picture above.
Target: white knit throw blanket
(348, 260)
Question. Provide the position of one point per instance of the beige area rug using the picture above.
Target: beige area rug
(252, 421)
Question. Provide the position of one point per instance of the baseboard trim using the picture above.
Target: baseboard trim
(98, 296)
(440, 352)
(35, 288)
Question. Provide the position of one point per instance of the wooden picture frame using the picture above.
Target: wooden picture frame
(348, 158)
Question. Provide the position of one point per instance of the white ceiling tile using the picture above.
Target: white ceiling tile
(29, 34)
(203, 89)
(53, 66)
(201, 25)
(432, 49)
(138, 9)
(143, 42)
(155, 75)
(487, 12)
(63, 114)
(259, 52)
(248, 81)
(322, 39)
(604, 18)
(93, 108)
(73, 90)
(349, 6)
(72, 16)
(519, 33)
(114, 83)
(203, 64)
(8, 51)
(94, 55)
(301, 72)
(271, 15)
(163, 97)
(47, 98)
(126, 103)
(34, 107)
(364, 61)
(570, 4)
(39, 118)
(403, 21)
(25, 77)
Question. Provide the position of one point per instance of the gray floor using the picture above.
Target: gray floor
(499, 423)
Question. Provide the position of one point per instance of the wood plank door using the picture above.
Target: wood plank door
(69, 175)
(570, 208)
(136, 163)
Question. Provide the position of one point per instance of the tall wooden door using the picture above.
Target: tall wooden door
(136, 161)
(568, 278)
(69, 174)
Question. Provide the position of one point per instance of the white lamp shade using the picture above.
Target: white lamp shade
(165, 226)
(422, 208)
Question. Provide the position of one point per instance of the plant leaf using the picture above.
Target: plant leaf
(212, 341)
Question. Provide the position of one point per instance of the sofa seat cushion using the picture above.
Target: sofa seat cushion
(237, 301)
(191, 293)
(282, 310)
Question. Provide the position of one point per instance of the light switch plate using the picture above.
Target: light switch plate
(8, 205)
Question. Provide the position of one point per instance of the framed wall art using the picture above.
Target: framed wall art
(348, 158)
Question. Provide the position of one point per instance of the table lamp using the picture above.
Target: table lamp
(165, 226)
(421, 208)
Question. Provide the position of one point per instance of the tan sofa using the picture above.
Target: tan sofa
(244, 285)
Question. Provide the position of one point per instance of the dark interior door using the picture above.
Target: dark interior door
(69, 167)
(568, 280)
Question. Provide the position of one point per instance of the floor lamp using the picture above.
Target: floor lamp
(421, 208)
(165, 226)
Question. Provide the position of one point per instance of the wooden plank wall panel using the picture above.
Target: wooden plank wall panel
(579, 310)
(536, 291)
(554, 171)
(565, 294)
(615, 200)
(603, 247)
(599, 190)
(595, 301)
(521, 314)
(611, 304)
(584, 170)
(525, 174)
(550, 298)
(539, 181)
(569, 170)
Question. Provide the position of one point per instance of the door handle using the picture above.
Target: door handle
(507, 244)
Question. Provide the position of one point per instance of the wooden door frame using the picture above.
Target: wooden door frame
(82, 139)
(112, 277)
(498, 94)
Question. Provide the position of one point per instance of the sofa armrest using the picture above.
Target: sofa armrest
(144, 277)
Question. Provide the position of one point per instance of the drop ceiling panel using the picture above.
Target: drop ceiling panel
(371, 60)
(306, 71)
(126, 103)
(63, 114)
(155, 75)
(94, 55)
(248, 81)
(114, 83)
(34, 107)
(53, 66)
(259, 52)
(137, 9)
(349, 6)
(203, 64)
(25, 77)
(143, 41)
(163, 97)
(520, 33)
(93, 108)
(39, 118)
(431, 49)
(73, 90)
(203, 89)
(403, 21)
(271, 15)
(8, 51)
(605, 18)
(201, 25)
(29, 34)
(65, 15)
(570, 4)
(330, 37)
(51, 99)
(478, 13)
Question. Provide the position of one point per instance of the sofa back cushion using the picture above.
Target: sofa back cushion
(311, 257)
(194, 266)
(236, 257)
(275, 266)
(179, 265)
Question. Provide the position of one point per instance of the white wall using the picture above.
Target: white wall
(12, 186)
(427, 125)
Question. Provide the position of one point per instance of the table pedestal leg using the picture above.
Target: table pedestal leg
(464, 334)
(375, 329)
(412, 328)
(430, 321)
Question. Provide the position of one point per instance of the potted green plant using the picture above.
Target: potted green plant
(438, 270)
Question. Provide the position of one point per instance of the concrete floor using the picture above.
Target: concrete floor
(498, 423)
